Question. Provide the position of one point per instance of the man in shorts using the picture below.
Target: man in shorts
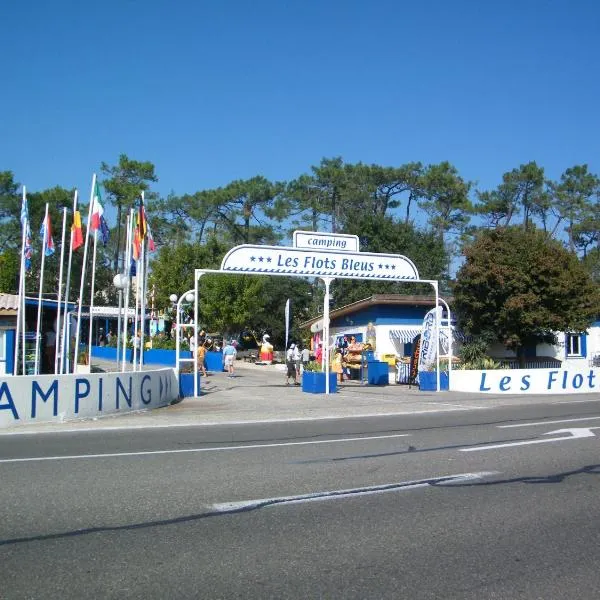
(229, 354)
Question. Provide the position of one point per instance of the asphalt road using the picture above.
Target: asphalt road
(499, 503)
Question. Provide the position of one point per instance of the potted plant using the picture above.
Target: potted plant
(186, 380)
(313, 379)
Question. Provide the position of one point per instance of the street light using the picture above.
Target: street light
(120, 281)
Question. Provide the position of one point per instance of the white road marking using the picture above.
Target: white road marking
(549, 422)
(190, 450)
(448, 480)
(100, 427)
(575, 433)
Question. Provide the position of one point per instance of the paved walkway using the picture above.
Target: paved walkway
(258, 393)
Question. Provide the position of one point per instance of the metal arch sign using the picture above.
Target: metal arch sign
(284, 260)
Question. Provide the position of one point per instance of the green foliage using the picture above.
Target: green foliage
(124, 184)
(173, 267)
(9, 272)
(519, 287)
(473, 351)
(385, 235)
(313, 366)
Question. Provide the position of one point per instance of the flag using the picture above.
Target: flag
(104, 231)
(136, 242)
(142, 220)
(46, 230)
(97, 210)
(151, 244)
(132, 268)
(429, 339)
(287, 321)
(76, 231)
(27, 250)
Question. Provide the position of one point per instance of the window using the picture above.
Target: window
(2, 345)
(574, 344)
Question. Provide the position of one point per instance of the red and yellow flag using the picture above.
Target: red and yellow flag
(76, 231)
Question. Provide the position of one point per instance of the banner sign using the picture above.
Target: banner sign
(315, 240)
(284, 260)
(429, 339)
(47, 398)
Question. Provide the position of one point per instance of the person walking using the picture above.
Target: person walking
(200, 357)
(297, 362)
(229, 354)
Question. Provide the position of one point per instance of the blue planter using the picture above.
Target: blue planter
(428, 381)
(314, 382)
(378, 372)
(160, 356)
(186, 385)
(214, 361)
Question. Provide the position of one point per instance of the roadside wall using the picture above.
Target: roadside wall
(576, 380)
(57, 398)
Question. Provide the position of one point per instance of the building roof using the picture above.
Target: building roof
(9, 303)
(376, 299)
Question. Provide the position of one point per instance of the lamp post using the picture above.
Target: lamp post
(189, 298)
(120, 282)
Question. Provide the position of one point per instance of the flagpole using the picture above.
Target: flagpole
(64, 345)
(82, 283)
(92, 299)
(146, 256)
(39, 313)
(21, 307)
(138, 281)
(144, 291)
(128, 287)
(60, 275)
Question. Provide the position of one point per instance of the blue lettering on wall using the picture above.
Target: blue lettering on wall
(482, 387)
(505, 383)
(10, 405)
(149, 390)
(160, 388)
(591, 378)
(525, 382)
(551, 378)
(100, 398)
(78, 393)
(127, 396)
(578, 381)
(35, 389)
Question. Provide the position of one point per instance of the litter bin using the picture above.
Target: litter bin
(377, 372)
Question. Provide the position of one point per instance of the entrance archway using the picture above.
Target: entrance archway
(325, 256)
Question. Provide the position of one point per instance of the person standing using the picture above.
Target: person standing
(305, 357)
(229, 354)
(290, 365)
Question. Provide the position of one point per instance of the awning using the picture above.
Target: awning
(405, 335)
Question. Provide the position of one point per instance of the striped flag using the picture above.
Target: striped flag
(151, 244)
(97, 210)
(46, 231)
(27, 250)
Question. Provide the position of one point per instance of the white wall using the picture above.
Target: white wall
(56, 398)
(572, 380)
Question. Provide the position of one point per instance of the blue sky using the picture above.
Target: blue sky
(215, 91)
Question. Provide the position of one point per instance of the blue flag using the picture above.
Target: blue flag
(104, 231)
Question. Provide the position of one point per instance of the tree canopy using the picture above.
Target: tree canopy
(519, 287)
